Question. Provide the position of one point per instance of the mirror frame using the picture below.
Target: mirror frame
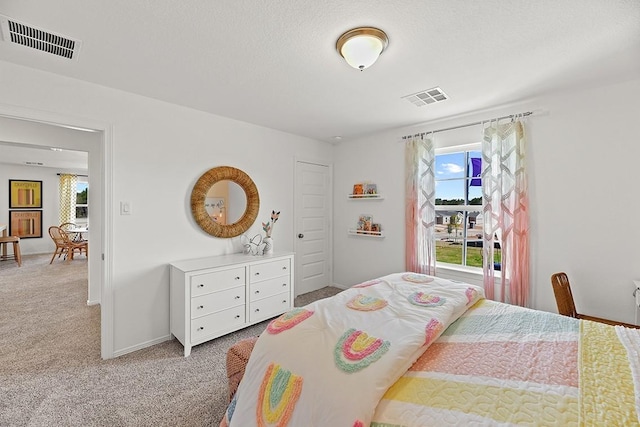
(199, 194)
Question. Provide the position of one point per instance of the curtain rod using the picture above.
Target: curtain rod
(87, 176)
(510, 116)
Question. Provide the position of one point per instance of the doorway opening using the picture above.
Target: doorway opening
(36, 129)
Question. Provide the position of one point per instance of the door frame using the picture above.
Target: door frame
(329, 165)
(100, 159)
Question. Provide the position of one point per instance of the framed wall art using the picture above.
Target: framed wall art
(25, 224)
(25, 194)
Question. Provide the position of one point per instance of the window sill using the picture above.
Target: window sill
(477, 271)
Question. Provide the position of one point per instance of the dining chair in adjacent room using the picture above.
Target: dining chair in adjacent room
(76, 245)
(566, 306)
(56, 234)
(64, 245)
(66, 226)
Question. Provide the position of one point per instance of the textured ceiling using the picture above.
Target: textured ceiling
(273, 63)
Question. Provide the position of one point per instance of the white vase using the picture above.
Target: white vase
(268, 246)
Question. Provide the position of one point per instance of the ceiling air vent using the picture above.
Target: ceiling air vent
(429, 96)
(45, 41)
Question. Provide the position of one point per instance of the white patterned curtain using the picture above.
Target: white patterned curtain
(68, 191)
(420, 254)
(506, 211)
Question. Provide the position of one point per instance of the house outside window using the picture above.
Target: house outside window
(82, 199)
(459, 221)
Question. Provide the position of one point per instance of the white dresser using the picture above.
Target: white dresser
(213, 296)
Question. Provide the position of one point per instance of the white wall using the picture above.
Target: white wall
(159, 151)
(583, 156)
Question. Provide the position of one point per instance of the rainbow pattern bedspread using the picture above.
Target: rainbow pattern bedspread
(505, 365)
(329, 363)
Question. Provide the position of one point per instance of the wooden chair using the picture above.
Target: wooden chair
(66, 226)
(15, 240)
(64, 245)
(566, 306)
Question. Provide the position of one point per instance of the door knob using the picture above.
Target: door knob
(300, 236)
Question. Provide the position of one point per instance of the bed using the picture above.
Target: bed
(414, 350)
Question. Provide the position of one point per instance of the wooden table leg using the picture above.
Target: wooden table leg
(4, 245)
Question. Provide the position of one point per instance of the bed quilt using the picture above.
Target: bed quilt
(504, 365)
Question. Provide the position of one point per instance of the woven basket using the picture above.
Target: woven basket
(237, 358)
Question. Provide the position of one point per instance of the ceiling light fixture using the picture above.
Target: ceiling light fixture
(362, 46)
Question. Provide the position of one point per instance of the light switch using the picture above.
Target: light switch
(125, 208)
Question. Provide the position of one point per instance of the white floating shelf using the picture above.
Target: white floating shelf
(375, 234)
(366, 196)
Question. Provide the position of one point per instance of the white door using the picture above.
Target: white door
(313, 234)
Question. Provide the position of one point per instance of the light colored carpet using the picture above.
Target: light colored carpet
(51, 373)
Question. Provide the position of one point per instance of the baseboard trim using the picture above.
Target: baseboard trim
(337, 285)
(93, 302)
(122, 352)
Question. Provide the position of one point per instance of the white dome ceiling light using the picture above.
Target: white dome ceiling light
(362, 46)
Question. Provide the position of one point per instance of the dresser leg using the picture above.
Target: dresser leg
(187, 350)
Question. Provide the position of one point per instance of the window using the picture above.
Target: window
(459, 221)
(82, 199)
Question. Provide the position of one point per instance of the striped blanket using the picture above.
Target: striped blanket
(505, 365)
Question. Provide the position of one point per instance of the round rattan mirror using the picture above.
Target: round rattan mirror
(199, 201)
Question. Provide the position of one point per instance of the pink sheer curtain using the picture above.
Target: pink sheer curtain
(505, 211)
(420, 253)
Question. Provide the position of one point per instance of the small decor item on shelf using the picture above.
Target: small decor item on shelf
(371, 189)
(376, 229)
(358, 190)
(268, 228)
(364, 223)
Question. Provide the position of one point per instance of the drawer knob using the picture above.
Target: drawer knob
(237, 316)
(237, 278)
(201, 328)
(200, 307)
(284, 301)
(201, 285)
(237, 296)
(257, 273)
(257, 292)
(257, 310)
(284, 284)
(284, 268)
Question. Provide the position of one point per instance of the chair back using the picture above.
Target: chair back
(59, 237)
(68, 226)
(564, 297)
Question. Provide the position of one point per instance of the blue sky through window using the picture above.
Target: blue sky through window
(452, 167)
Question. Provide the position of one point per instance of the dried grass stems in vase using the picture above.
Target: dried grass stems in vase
(268, 229)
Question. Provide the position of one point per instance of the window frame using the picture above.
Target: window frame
(82, 221)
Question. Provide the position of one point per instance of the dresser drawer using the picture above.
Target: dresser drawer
(204, 326)
(216, 301)
(270, 307)
(217, 281)
(269, 270)
(269, 287)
